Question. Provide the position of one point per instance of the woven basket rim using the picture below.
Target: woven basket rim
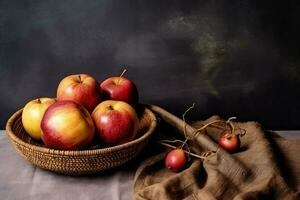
(83, 152)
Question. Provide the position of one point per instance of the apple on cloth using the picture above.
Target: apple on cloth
(230, 142)
(176, 160)
(32, 115)
(81, 88)
(119, 89)
(67, 125)
(116, 121)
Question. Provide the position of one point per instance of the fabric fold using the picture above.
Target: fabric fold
(272, 162)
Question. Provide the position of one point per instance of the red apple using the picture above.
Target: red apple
(81, 88)
(230, 142)
(32, 115)
(116, 121)
(119, 89)
(67, 125)
(175, 160)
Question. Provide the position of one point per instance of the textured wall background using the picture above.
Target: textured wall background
(232, 58)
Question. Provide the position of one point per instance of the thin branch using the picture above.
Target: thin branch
(183, 118)
(189, 153)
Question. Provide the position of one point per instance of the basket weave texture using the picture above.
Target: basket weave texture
(78, 162)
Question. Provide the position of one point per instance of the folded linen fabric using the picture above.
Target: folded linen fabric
(267, 166)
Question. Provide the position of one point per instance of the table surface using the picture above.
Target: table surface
(21, 180)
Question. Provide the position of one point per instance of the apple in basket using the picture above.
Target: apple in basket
(67, 125)
(116, 121)
(81, 88)
(32, 115)
(119, 89)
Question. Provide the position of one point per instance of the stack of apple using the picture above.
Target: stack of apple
(84, 110)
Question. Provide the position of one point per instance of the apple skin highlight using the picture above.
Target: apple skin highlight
(32, 115)
(67, 125)
(176, 160)
(81, 88)
(116, 122)
(230, 142)
(119, 89)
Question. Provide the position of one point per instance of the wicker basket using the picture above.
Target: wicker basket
(79, 162)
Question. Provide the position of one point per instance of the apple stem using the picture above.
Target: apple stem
(124, 71)
(79, 78)
(39, 100)
(110, 107)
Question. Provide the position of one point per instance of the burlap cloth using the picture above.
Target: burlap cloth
(266, 167)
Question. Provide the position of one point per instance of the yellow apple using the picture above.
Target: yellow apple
(32, 115)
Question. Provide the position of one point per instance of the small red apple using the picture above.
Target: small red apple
(176, 160)
(81, 88)
(116, 121)
(230, 142)
(119, 89)
(67, 125)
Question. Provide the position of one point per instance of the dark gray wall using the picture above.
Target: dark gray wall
(232, 58)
